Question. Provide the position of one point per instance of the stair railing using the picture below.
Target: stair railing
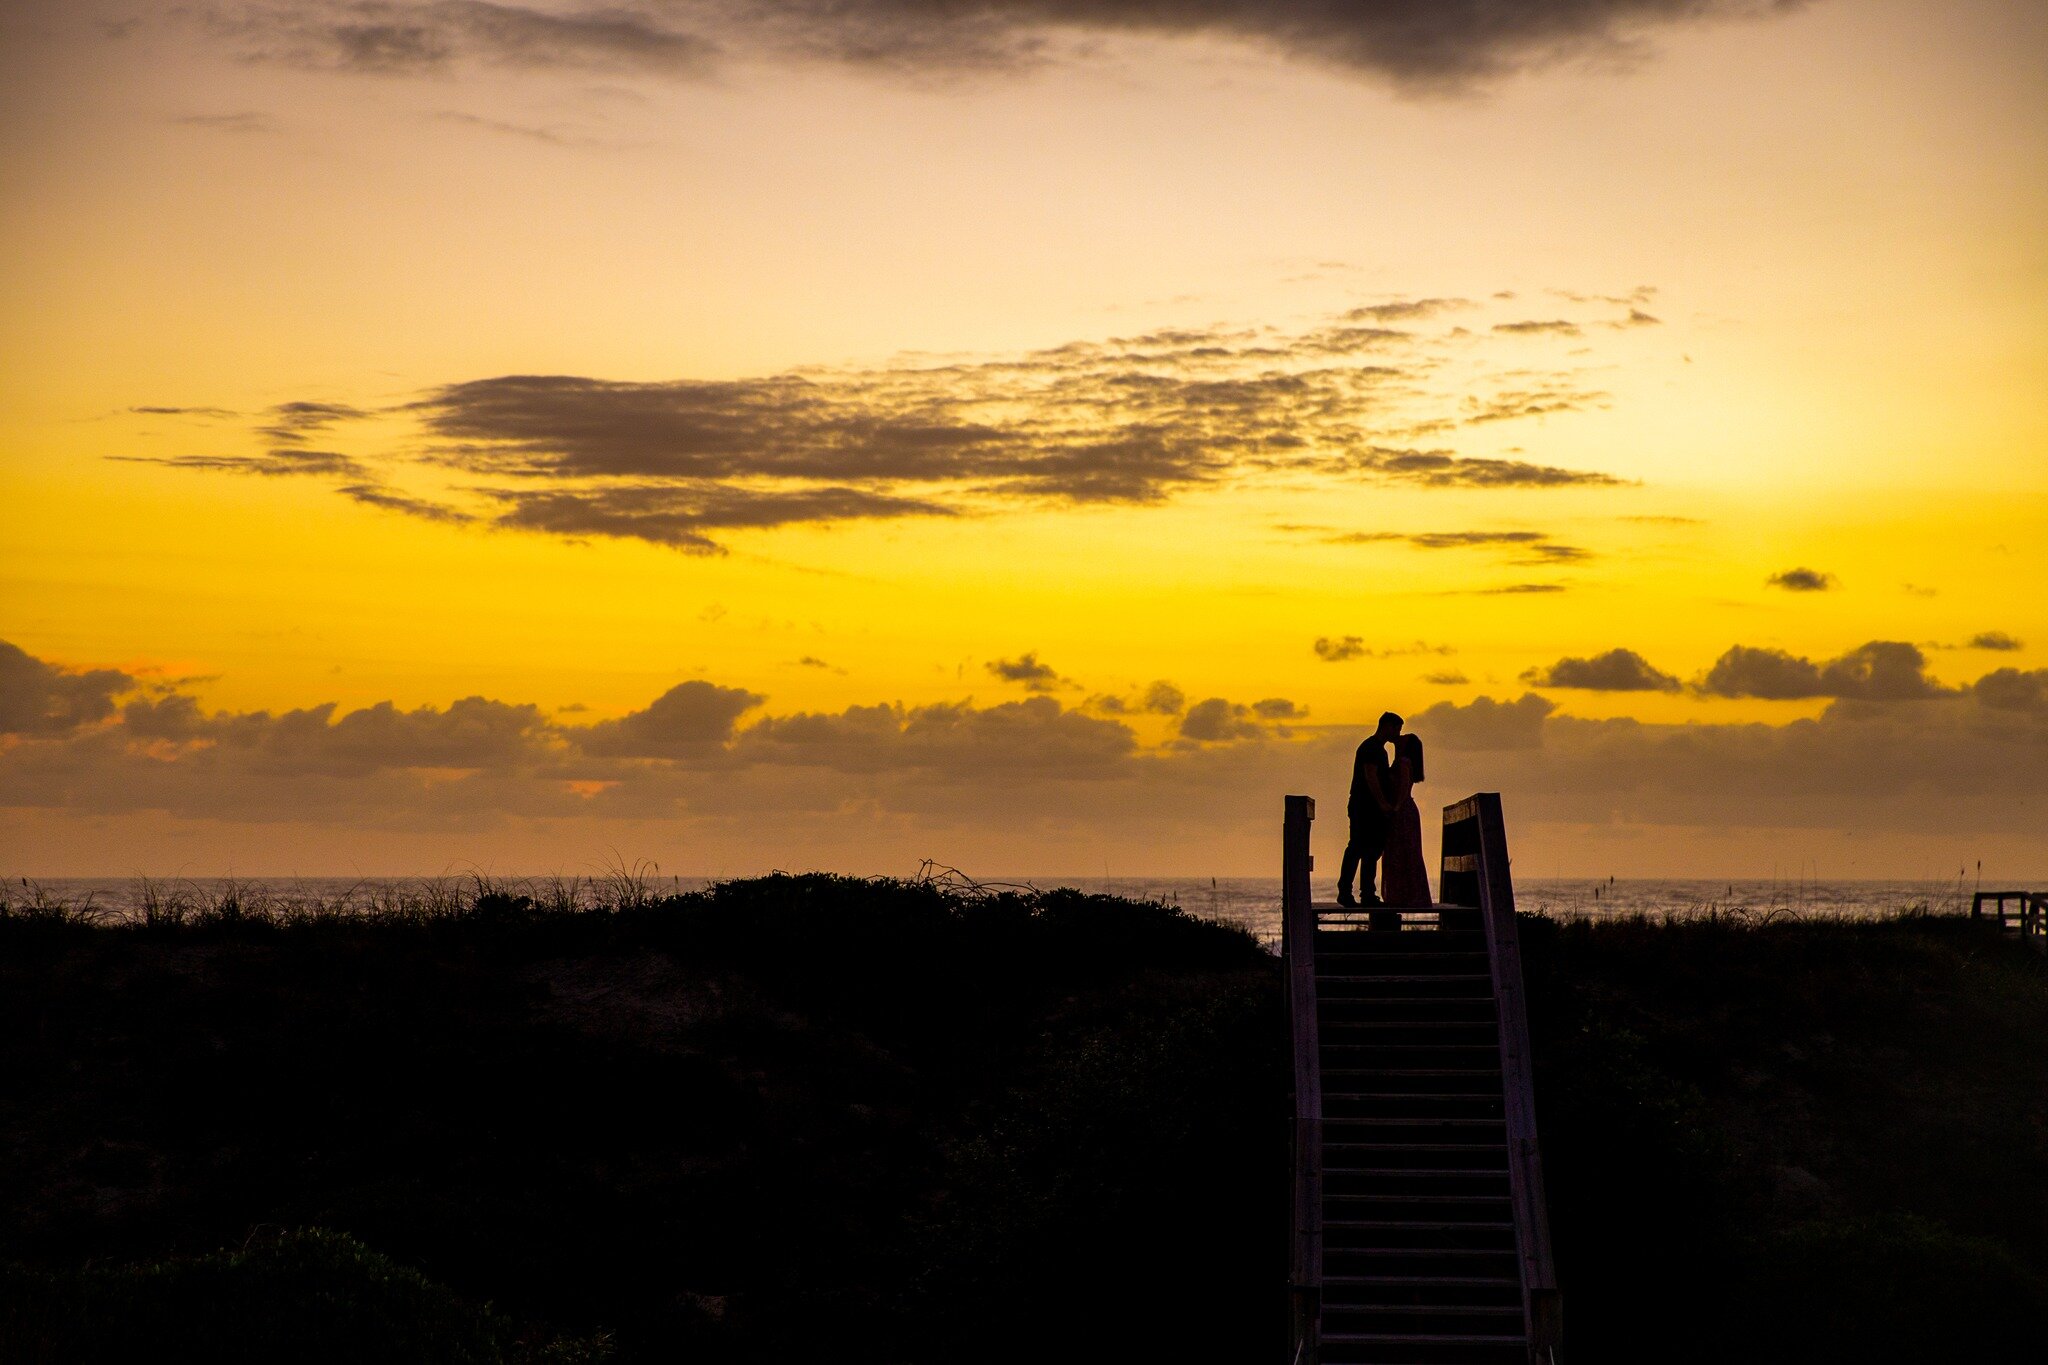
(1298, 950)
(1475, 874)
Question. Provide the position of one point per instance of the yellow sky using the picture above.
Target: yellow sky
(1834, 217)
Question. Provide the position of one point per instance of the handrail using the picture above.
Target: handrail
(1476, 856)
(2032, 920)
(1298, 949)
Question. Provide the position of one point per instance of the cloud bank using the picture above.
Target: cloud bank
(1415, 44)
(718, 762)
(1134, 421)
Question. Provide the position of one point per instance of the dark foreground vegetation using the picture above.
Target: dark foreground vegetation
(819, 1119)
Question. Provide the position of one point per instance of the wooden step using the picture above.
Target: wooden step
(1405, 986)
(1433, 1106)
(1396, 1030)
(1389, 1049)
(1428, 1210)
(1445, 1156)
(1366, 940)
(1396, 1184)
(1335, 1010)
(1476, 1314)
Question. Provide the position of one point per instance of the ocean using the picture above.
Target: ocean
(1252, 902)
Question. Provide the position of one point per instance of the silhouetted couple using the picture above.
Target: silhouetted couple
(1386, 827)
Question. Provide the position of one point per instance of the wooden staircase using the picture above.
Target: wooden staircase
(1421, 1236)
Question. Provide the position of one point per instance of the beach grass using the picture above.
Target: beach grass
(822, 1117)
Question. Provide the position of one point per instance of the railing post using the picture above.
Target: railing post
(1298, 948)
(1542, 1307)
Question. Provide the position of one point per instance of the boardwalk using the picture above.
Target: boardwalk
(1421, 1235)
(2028, 918)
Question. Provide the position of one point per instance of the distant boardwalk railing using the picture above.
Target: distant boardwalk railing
(2029, 918)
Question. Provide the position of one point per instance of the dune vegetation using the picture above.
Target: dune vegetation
(823, 1118)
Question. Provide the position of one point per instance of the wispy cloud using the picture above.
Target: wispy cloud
(1133, 420)
(288, 461)
(242, 122)
(387, 38)
(1527, 547)
(1344, 648)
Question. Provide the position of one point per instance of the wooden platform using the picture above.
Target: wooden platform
(2028, 917)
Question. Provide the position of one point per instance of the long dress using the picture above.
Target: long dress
(1404, 879)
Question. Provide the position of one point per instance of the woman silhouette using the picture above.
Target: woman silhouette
(1404, 880)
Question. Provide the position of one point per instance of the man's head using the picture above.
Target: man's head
(1390, 726)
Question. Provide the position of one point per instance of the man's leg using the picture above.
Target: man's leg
(1350, 870)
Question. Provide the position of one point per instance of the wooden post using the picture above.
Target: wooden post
(1298, 948)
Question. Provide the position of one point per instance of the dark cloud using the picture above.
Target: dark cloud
(1129, 420)
(1618, 670)
(1882, 670)
(1216, 720)
(1551, 326)
(473, 732)
(375, 495)
(1337, 650)
(1517, 404)
(683, 720)
(38, 698)
(286, 462)
(2009, 689)
(955, 742)
(1278, 708)
(1638, 318)
(1519, 589)
(1442, 469)
(1486, 724)
(381, 37)
(294, 422)
(1161, 698)
(679, 516)
(1447, 678)
(1434, 45)
(1995, 640)
(160, 411)
(1534, 547)
(1771, 674)
(1164, 699)
(1028, 670)
(1962, 764)
(1406, 310)
(1801, 580)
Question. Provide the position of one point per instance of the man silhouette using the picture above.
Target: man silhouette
(1371, 810)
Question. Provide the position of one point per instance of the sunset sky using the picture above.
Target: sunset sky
(1034, 435)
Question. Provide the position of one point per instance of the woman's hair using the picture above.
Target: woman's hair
(1410, 748)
